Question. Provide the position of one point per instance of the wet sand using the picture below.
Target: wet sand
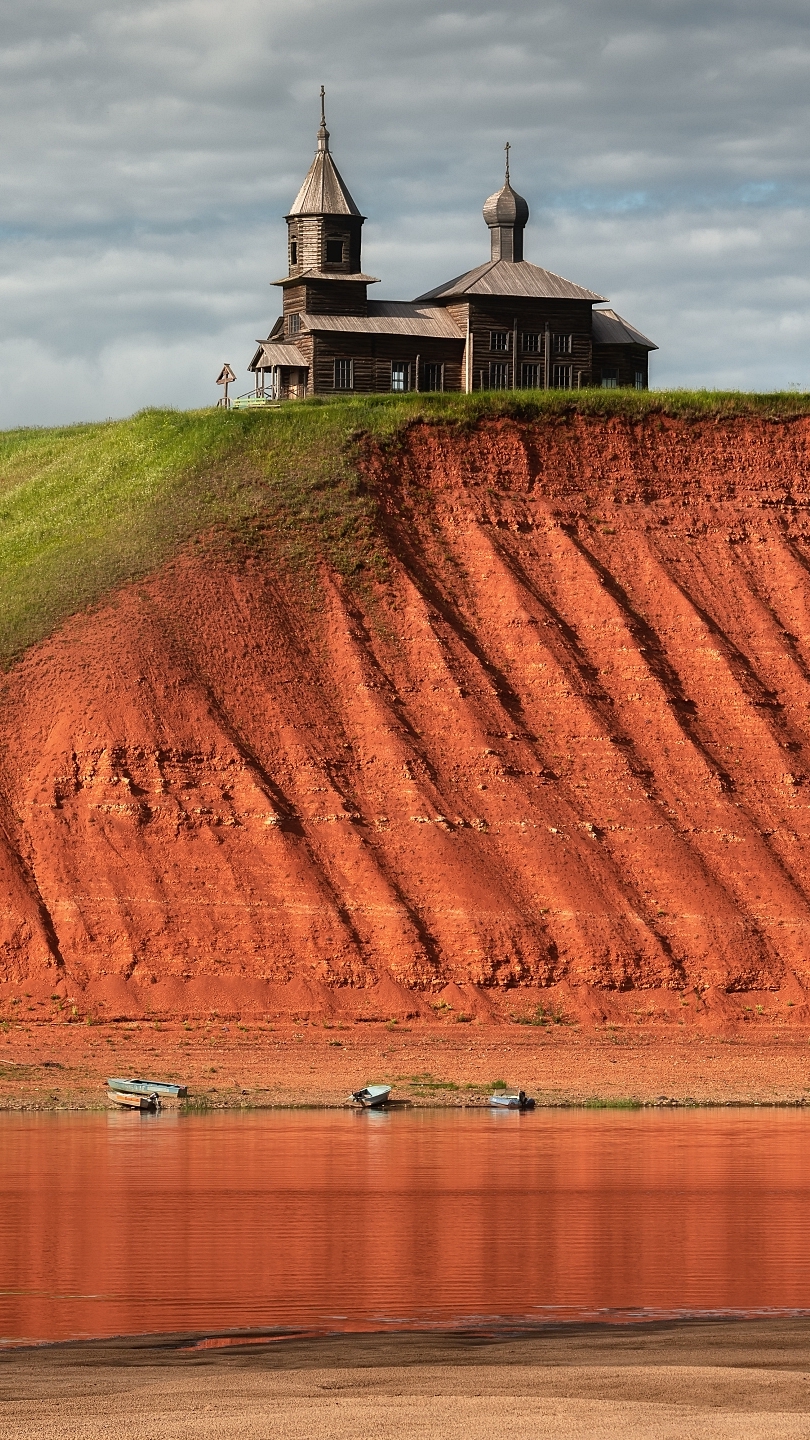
(233, 1065)
(729, 1379)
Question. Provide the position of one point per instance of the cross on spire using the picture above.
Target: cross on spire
(323, 133)
(507, 147)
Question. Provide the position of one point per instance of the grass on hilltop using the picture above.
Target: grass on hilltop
(87, 507)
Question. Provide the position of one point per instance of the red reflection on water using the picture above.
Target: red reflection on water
(121, 1224)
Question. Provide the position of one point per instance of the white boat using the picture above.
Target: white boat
(521, 1101)
(371, 1096)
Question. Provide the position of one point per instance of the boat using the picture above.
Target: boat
(521, 1101)
(134, 1102)
(371, 1097)
(148, 1087)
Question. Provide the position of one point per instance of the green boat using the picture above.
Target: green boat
(148, 1087)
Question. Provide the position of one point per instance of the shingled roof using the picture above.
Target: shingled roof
(517, 278)
(390, 317)
(610, 329)
(324, 191)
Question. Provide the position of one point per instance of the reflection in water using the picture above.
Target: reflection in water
(126, 1223)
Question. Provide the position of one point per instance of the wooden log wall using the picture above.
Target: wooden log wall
(626, 360)
(373, 356)
(564, 318)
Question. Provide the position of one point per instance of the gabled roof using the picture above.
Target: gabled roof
(389, 317)
(271, 352)
(517, 278)
(610, 329)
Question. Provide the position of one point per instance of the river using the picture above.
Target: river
(326, 1221)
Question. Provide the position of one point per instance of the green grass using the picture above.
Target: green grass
(87, 507)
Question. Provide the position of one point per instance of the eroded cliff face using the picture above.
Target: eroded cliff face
(565, 740)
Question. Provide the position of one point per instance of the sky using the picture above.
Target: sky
(151, 150)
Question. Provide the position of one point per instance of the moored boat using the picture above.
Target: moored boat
(148, 1087)
(371, 1097)
(134, 1102)
(521, 1101)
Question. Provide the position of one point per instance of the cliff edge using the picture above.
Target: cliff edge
(555, 731)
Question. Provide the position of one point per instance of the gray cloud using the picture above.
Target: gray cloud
(151, 150)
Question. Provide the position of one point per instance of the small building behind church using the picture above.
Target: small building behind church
(505, 325)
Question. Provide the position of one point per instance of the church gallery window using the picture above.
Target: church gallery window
(344, 374)
(563, 344)
(562, 377)
(433, 377)
(610, 379)
(499, 375)
(530, 377)
(639, 379)
(334, 249)
(499, 339)
(400, 375)
(532, 343)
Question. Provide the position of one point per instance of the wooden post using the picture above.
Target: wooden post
(547, 358)
(416, 386)
(468, 359)
(515, 354)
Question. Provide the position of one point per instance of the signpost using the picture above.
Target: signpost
(225, 377)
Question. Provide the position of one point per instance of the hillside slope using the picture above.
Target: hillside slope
(556, 733)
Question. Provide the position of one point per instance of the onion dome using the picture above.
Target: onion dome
(506, 213)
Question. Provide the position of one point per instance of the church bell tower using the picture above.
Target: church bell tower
(324, 224)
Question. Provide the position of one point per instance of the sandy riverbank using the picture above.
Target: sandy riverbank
(724, 1380)
(234, 1065)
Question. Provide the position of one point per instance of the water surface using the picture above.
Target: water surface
(117, 1224)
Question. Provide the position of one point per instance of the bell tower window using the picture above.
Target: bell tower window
(293, 252)
(334, 249)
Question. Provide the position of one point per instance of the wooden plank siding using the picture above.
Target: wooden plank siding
(625, 360)
(564, 317)
(373, 356)
(310, 234)
(327, 297)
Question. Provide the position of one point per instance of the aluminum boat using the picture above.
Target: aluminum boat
(371, 1096)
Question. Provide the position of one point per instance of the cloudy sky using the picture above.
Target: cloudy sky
(150, 151)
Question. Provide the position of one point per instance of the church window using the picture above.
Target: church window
(610, 379)
(344, 374)
(334, 250)
(562, 377)
(499, 375)
(293, 323)
(533, 343)
(293, 252)
(499, 339)
(433, 377)
(639, 379)
(400, 375)
(530, 377)
(563, 344)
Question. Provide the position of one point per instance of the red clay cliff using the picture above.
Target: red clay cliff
(563, 742)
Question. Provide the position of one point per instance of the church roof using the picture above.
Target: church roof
(324, 191)
(390, 317)
(610, 329)
(356, 276)
(273, 352)
(516, 278)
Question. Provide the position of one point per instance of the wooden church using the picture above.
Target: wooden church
(505, 325)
